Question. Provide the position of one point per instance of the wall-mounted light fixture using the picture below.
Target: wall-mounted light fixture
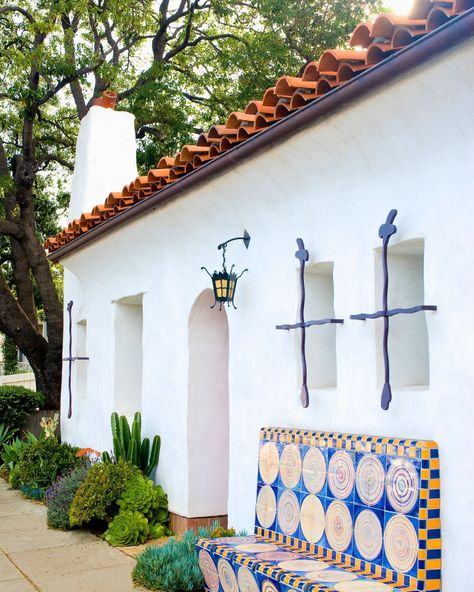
(224, 283)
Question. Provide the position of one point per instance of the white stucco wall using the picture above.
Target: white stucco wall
(409, 146)
(105, 158)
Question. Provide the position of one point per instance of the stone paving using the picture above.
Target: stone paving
(34, 557)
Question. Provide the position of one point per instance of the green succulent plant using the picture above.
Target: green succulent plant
(127, 528)
(139, 495)
(128, 444)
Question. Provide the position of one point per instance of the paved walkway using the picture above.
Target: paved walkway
(34, 557)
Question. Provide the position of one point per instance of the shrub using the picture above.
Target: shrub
(11, 457)
(96, 498)
(174, 567)
(42, 462)
(16, 403)
(60, 495)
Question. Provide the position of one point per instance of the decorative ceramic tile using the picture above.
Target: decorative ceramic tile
(336, 513)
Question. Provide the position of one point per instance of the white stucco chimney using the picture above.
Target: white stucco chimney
(105, 158)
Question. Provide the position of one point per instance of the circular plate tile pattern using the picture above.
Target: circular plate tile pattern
(227, 576)
(332, 575)
(338, 525)
(209, 571)
(303, 565)
(312, 518)
(368, 535)
(290, 466)
(370, 479)
(314, 470)
(256, 547)
(268, 462)
(246, 580)
(402, 485)
(288, 512)
(362, 586)
(341, 474)
(401, 543)
(267, 586)
(266, 506)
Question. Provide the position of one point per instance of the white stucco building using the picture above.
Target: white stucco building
(398, 135)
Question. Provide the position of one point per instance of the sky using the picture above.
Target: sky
(399, 6)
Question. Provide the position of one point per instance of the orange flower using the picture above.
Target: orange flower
(87, 452)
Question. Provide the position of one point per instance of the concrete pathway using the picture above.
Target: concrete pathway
(34, 557)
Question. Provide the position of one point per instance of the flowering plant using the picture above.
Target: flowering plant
(49, 425)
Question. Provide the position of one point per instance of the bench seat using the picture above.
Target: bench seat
(257, 563)
(335, 513)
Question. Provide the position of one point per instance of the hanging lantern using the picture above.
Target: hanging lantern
(224, 283)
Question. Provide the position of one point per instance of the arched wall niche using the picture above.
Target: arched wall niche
(208, 409)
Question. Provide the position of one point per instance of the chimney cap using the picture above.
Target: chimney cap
(108, 100)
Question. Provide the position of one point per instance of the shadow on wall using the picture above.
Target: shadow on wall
(208, 409)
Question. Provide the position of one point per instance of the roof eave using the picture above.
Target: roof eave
(449, 35)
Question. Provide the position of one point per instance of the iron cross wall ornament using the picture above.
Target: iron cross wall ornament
(71, 359)
(386, 231)
(303, 255)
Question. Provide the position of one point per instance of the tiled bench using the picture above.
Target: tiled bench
(336, 513)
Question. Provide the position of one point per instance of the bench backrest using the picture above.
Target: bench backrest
(367, 502)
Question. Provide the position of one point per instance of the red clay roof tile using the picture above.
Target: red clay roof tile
(376, 41)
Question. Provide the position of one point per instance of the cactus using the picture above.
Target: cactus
(144, 452)
(114, 421)
(154, 457)
(128, 444)
(106, 457)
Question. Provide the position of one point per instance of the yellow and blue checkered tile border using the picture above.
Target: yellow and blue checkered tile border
(428, 578)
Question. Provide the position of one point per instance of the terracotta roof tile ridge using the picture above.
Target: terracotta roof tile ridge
(372, 43)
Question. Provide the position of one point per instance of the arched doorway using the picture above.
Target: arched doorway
(208, 409)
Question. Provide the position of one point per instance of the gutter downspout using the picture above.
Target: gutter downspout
(449, 35)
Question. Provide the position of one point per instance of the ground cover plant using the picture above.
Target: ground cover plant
(143, 514)
(174, 567)
(16, 403)
(60, 495)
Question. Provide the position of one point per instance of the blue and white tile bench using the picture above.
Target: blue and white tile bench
(336, 513)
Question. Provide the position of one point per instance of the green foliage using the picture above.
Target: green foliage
(127, 528)
(139, 495)
(34, 493)
(11, 452)
(6, 433)
(174, 567)
(16, 403)
(144, 508)
(10, 355)
(128, 444)
(96, 498)
(43, 461)
(60, 496)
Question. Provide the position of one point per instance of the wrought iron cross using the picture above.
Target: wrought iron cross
(303, 255)
(71, 359)
(385, 232)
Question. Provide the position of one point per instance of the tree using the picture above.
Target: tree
(178, 66)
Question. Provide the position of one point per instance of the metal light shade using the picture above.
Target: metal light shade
(224, 285)
(224, 282)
